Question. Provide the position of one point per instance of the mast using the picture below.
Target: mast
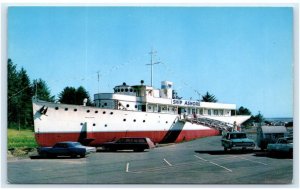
(151, 64)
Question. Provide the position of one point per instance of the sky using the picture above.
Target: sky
(242, 55)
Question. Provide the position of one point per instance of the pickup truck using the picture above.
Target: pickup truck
(237, 140)
(283, 145)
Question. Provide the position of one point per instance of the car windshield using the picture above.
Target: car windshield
(238, 136)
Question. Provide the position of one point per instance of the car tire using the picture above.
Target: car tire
(225, 149)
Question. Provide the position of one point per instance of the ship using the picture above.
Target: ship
(133, 111)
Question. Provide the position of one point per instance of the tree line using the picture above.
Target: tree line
(20, 91)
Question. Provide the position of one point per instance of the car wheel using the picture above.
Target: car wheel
(225, 149)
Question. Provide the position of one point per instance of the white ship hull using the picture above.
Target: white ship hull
(93, 125)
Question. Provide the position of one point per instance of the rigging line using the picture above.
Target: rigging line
(18, 92)
(181, 80)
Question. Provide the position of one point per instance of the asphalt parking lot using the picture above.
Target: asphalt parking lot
(201, 161)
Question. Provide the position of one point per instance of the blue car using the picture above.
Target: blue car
(67, 148)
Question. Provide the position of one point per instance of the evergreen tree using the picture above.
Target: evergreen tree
(209, 98)
(243, 111)
(41, 90)
(25, 95)
(70, 95)
(12, 92)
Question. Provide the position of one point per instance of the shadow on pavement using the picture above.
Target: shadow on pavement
(53, 158)
(222, 152)
(272, 155)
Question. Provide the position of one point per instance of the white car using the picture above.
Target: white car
(283, 146)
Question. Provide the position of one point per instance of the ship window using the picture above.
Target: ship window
(56, 108)
(111, 113)
(66, 109)
(96, 111)
(94, 124)
(124, 119)
(105, 104)
(81, 123)
(130, 90)
(127, 105)
(88, 111)
(122, 90)
(166, 121)
(126, 90)
(215, 112)
(134, 90)
(104, 112)
(105, 125)
(209, 112)
(115, 90)
(75, 109)
(149, 107)
(144, 121)
(134, 120)
(119, 90)
(135, 106)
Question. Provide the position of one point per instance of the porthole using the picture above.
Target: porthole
(122, 90)
(118, 90)
(75, 109)
(94, 124)
(130, 90)
(96, 111)
(134, 90)
(105, 104)
(135, 106)
(104, 112)
(111, 113)
(126, 90)
(166, 121)
(134, 120)
(124, 119)
(81, 123)
(105, 125)
(127, 105)
(88, 111)
(66, 109)
(56, 108)
(144, 121)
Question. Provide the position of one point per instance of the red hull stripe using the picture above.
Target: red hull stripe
(49, 139)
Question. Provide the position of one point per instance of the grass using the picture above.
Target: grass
(21, 139)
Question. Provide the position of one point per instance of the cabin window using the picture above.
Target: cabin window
(166, 121)
(134, 120)
(66, 109)
(56, 108)
(126, 90)
(215, 112)
(88, 111)
(124, 119)
(122, 90)
(111, 113)
(127, 105)
(144, 121)
(209, 112)
(105, 125)
(130, 90)
(96, 111)
(104, 112)
(119, 90)
(81, 123)
(134, 90)
(94, 124)
(115, 90)
(135, 106)
(221, 112)
(105, 104)
(149, 107)
(75, 109)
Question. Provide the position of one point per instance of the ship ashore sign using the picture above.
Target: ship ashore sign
(185, 102)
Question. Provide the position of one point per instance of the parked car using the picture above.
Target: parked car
(67, 148)
(137, 144)
(269, 134)
(283, 146)
(237, 140)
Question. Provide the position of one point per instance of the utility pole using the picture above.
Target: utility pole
(151, 64)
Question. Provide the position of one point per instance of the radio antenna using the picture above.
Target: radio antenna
(152, 53)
